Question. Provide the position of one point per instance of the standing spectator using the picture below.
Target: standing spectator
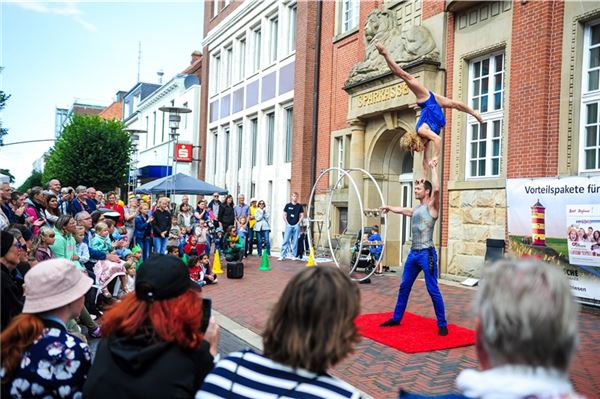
(251, 223)
(36, 208)
(527, 334)
(129, 217)
(54, 187)
(161, 224)
(52, 212)
(40, 359)
(65, 201)
(184, 200)
(143, 230)
(91, 194)
(12, 292)
(100, 203)
(292, 216)
(111, 203)
(154, 347)
(82, 202)
(215, 204)
(201, 212)
(226, 213)
(185, 218)
(242, 210)
(310, 330)
(263, 227)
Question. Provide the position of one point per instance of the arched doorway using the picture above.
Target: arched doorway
(393, 170)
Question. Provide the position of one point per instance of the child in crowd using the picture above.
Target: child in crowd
(173, 250)
(201, 231)
(242, 227)
(375, 250)
(41, 245)
(219, 239)
(106, 270)
(137, 254)
(195, 270)
(209, 276)
(175, 232)
(193, 247)
(302, 243)
(130, 267)
(82, 248)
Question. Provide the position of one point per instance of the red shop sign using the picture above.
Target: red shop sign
(183, 152)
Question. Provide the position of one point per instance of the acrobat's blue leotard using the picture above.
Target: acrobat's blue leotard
(432, 114)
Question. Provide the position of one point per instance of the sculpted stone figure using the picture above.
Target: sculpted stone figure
(406, 44)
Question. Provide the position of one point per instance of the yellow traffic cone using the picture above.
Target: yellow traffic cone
(217, 264)
(311, 259)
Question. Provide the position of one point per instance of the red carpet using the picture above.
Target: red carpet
(414, 334)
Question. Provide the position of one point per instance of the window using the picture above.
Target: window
(154, 130)
(273, 28)
(486, 94)
(136, 101)
(349, 15)
(147, 131)
(216, 71)
(215, 8)
(185, 116)
(226, 130)
(342, 219)
(228, 65)
(254, 133)
(340, 158)
(257, 43)
(162, 140)
(240, 137)
(226, 3)
(291, 36)
(270, 137)
(215, 153)
(241, 70)
(590, 100)
(289, 130)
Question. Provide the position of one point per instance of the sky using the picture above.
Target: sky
(53, 53)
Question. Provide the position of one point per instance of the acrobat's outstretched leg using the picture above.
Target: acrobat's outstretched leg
(420, 91)
(446, 102)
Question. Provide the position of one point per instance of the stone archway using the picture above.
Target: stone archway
(393, 170)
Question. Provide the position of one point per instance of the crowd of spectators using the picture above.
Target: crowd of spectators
(61, 264)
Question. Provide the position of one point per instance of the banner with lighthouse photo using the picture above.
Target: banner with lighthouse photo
(558, 220)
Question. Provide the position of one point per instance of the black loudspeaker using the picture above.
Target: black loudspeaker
(235, 270)
(494, 249)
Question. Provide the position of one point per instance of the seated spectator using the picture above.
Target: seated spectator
(81, 247)
(153, 345)
(173, 250)
(105, 270)
(12, 292)
(40, 359)
(52, 211)
(36, 209)
(234, 245)
(310, 329)
(526, 334)
(193, 247)
(195, 270)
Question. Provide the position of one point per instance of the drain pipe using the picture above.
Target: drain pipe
(315, 110)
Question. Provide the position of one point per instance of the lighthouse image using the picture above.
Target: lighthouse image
(538, 224)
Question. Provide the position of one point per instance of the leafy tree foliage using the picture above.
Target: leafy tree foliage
(35, 179)
(91, 151)
(3, 98)
(6, 172)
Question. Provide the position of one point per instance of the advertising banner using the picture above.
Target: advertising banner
(558, 220)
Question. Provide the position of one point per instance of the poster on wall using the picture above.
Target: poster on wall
(558, 220)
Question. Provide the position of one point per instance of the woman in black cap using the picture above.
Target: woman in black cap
(153, 345)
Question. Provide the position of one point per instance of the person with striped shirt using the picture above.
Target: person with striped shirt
(310, 329)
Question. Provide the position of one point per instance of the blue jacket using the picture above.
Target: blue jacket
(76, 206)
(94, 253)
(142, 229)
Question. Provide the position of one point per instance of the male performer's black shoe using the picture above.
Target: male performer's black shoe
(389, 323)
(443, 331)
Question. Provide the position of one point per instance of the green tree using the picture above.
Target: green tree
(91, 151)
(6, 172)
(3, 98)
(35, 179)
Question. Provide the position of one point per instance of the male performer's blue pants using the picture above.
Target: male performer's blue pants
(416, 261)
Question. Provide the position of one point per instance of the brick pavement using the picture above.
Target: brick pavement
(375, 368)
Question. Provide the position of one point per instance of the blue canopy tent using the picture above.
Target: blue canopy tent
(179, 184)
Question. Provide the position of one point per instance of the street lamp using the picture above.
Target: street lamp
(174, 119)
(134, 135)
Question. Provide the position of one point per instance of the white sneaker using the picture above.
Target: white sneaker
(280, 258)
